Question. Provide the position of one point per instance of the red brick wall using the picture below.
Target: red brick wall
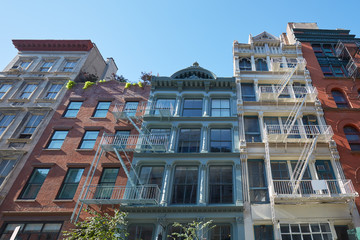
(44, 208)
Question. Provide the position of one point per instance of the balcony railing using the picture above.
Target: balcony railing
(162, 110)
(353, 67)
(141, 195)
(137, 143)
(278, 65)
(262, 50)
(122, 111)
(314, 189)
(298, 133)
(289, 93)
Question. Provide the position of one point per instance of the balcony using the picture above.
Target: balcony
(278, 65)
(135, 143)
(160, 110)
(148, 194)
(123, 111)
(289, 93)
(351, 52)
(310, 190)
(303, 133)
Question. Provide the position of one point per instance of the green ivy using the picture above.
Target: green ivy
(88, 84)
(70, 84)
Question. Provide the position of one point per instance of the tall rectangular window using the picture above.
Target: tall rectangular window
(152, 175)
(53, 91)
(140, 231)
(221, 232)
(5, 122)
(221, 184)
(257, 183)
(220, 140)
(164, 106)
(72, 109)
(69, 65)
(106, 184)
(4, 88)
(34, 184)
(70, 184)
(189, 140)
(185, 185)
(57, 139)
(46, 66)
(265, 232)
(5, 168)
(36, 230)
(248, 92)
(102, 109)
(220, 107)
(261, 65)
(89, 140)
(306, 231)
(131, 108)
(31, 126)
(252, 130)
(192, 108)
(28, 90)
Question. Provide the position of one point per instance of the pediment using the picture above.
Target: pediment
(264, 37)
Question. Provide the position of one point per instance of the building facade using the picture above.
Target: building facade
(294, 187)
(31, 87)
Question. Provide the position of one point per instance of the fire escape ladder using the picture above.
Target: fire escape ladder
(302, 163)
(294, 114)
(271, 186)
(279, 88)
(124, 165)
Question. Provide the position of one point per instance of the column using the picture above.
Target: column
(177, 107)
(150, 105)
(283, 59)
(160, 232)
(206, 106)
(202, 194)
(233, 106)
(238, 186)
(236, 62)
(268, 61)
(172, 143)
(291, 89)
(236, 139)
(240, 230)
(166, 188)
(256, 89)
(241, 129)
(204, 142)
(261, 125)
(253, 67)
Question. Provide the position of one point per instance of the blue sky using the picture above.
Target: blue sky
(164, 36)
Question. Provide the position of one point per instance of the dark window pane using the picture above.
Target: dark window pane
(264, 232)
(185, 185)
(248, 92)
(189, 140)
(192, 108)
(252, 130)
(245, 65)
(221, 184)
(339, 99)
(34, 184)
(70, 183)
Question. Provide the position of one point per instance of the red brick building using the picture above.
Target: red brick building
(45, 193)
(333, 62)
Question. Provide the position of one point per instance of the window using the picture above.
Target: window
(341, 232)
(221, 232)
(53, 91)
(252, 130)
(317, 50)
(220, 107)
(189, 140)
(69, 65)
(192, 108)
(36, 230)
(46, 66)
(24, 64)
(339, 99)
(264, 232)
(257, 183)
(31, 126)
(5, 122)
(353, 138)
(89, 139)
(248, 92)
(328, 50)
(152, 175)
(102, 109)
(220, 140)
(261, 65)
(57, 139)
(221, 184)
(164, 107)
(306, 231)
(185, 185)
(70, 184)
(5, 168)
(28, 90)
(34, 184)
(131, 108)
(122, 138)
(72, 109)
(140, 231)
(245, 65)
(326, 70)
(4, 88)
(106, 184)
(339, 71)
(279, 170)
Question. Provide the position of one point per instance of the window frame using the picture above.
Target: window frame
(340, 103)
(27, 187)
(261, 65)
(6, 169)
(51, 92)
(185, 199)
(185, 108)
(353, 143)
(301, 232)
(131, 110)
(6, 121)
(106, 188)
(256, 136)
(189, 141)
(230, 140)
(69, 108)
(222, 184)
(65, 68)
(245, 96)
(24, 91)
(221, 225)
(43, 68)
(98, 109)
(243, 66)
(266, 227)
(85, 140)
(3, 93)
(29, 135)
(141, 234)
(65, 184)
(53, 235)
(57, 139)
(263, 188)
(220, 108)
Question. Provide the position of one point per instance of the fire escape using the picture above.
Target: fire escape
(135, 192)
(350, 52)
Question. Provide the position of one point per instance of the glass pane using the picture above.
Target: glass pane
(91, 135)
(52, 227)
(74, 175)
(109, 175)
(60, 134)
(33, 227)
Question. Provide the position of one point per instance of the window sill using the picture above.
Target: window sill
(63, 200)
(98, 118)
(19, 140)
(26, 100)
(52, 149)
(25, 200)
(84, 150)
(40, 100)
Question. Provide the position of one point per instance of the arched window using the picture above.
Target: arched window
(261, 65)
(245, 65)
(339, 99)
(353, 137)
